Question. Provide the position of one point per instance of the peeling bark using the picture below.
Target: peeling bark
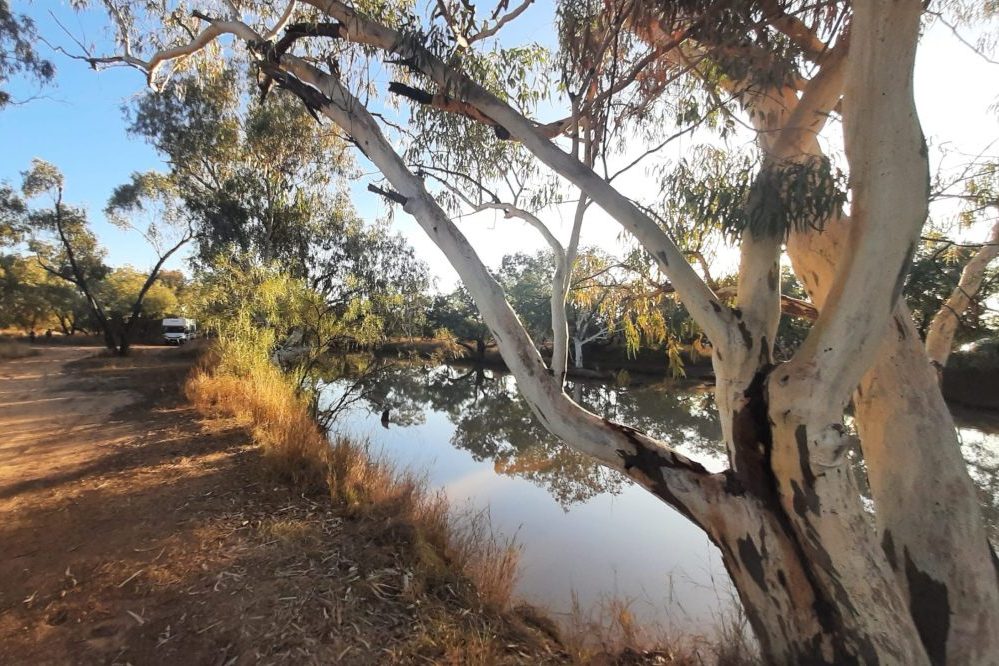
(818, 583)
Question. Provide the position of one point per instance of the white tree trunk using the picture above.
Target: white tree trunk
(928, 514)
(577, 348)
(940, 335)
(776, 584)
(887, 156)
(809, 568)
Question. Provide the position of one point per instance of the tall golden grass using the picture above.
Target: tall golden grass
(266, 402)
(459, 551)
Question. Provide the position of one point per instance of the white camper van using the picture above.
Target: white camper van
(178, 330)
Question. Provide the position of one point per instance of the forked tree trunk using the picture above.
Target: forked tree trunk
(813, 575)
(928, 514)
(789, 590)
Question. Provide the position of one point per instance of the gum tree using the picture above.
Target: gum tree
(68, 249)
(820, 580)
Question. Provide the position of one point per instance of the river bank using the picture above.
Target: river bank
(972, 388)
(140, 529)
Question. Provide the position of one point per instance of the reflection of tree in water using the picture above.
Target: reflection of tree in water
(980, 447)
(376, 383)
(493, 422)
(679, 414)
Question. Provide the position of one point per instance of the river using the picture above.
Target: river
(586, 534)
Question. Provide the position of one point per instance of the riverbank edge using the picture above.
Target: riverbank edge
(972, 388)
(454, 563)
(455, 570)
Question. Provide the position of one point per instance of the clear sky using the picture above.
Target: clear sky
(77, 123)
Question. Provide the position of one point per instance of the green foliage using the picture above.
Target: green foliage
(791, 331)
(629, 301)
(260, 310)
(60, 229)
(981, 193)
(18, 54)
(736, 194)
(527, 281)
(457, 313)
(12, 216)
(118, 290)
(255, 177)
(31, 297)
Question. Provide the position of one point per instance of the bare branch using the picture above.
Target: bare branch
(500, 22)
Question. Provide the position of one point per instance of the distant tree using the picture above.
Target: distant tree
(457, 313)
(22, 304)
(68, 249)
(527, 281)
(255, 178)
(118, 292)
(936, 274)
(960, 314)
(12, 216)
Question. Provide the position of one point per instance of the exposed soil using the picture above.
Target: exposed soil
(134, 532)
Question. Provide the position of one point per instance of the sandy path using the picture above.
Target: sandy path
(52, 426)
(101, 473)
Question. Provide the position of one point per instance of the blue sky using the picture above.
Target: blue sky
(78, 125)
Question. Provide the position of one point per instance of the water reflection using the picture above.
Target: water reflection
(979, 435)
(584, 529)
(493, 422)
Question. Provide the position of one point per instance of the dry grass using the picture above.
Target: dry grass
(12, 350)
(452, 567)
(298, 451)
(611, 634)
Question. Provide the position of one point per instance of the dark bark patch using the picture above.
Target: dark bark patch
(391, 195)
(900, 327)
(415, 94)
(747, 338)
(801, 438)
(733, 485)
(803, 497)
(737, 312)
(648, 464)
(804, 457)
(772, 278)
(902, 274)
(930, 610)
(661, 254)
(801, 500)
(753, 440)
(752, 562)
(715, 306)
(815, 278)
(888, 545)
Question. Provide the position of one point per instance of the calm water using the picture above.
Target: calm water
(584, 531)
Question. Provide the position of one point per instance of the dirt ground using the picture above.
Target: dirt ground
(133, 532)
